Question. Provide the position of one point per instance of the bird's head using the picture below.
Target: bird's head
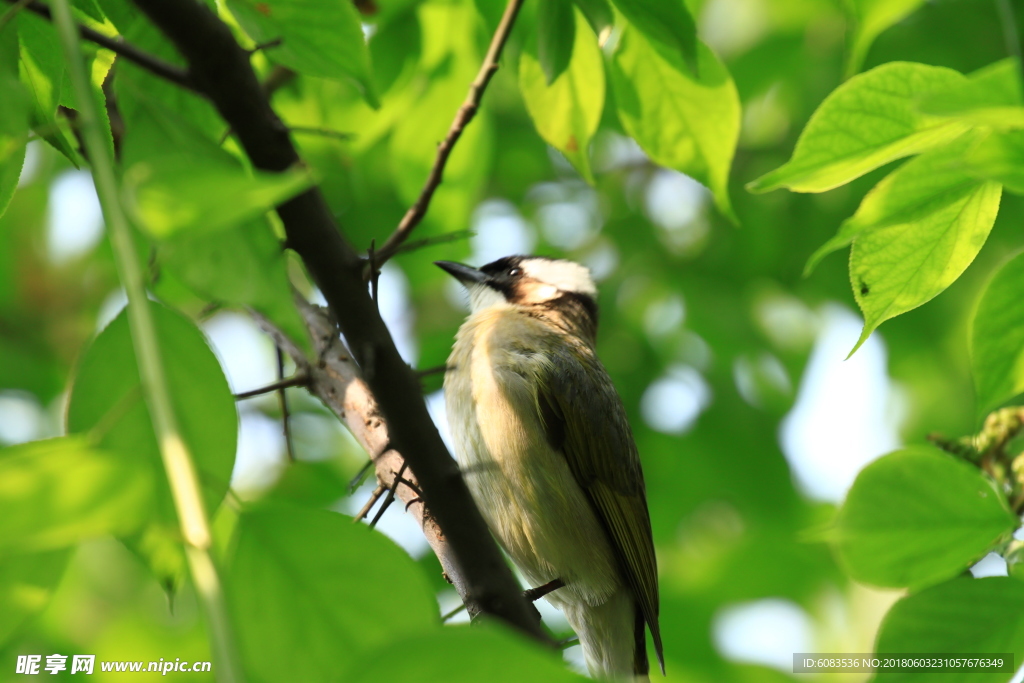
(534, 282)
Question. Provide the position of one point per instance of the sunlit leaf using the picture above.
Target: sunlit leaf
(57, 492)
(989, 97)
(567, 112)
(967, 615)
(912, 194)
(683, 122)
(309, 590)
(27, 582)
(42, 72)
(598, 13)
(318, 37)
(919, 516)
(997, 337)
(897, 268)
(106, 399)
(866, 122)
(999, 157)
(15, 108)
(665, 22)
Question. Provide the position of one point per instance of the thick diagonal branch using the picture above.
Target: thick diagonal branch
(220, 69)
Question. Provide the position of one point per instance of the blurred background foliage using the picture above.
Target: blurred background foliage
(707, 329)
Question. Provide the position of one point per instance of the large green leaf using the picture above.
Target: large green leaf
(683, 122)
(965, 615)
(871, 17)
(243, 265)
(668, 23)
(484, 652)
(912, 194)
(897, 268)
(918, 516)
(997, 337)
(866, 122)
(106, 398)
(57, 492)
(567, 112)
(999, 157)
(309, 591)
(177, 180)
(26, 583)
(318, 37)
(989, 97)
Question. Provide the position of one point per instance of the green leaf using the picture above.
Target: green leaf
(913, 193)
(997, 337)
(918, 516)
(26, 583)
(57, 492)
(482, 652)
(318, 37)
(871, 17)
(682, 122)
(42, 72)
(567, 112)
(106, 399)
(999, 157)
(309, 590)
(177, 180)
(865, 123)
(989, 97)
(243, 265)
(667, 23)
(897, 268)
(556, 33)
(964, 615)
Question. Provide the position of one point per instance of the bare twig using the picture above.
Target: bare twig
(282, 400)
(448, 615)
(360, 475)
(390, 498)
(299, 380)
(373, 263)
(321, 132)
(535, 594)
(151, 63)
(374, 497)
(276, 42)
(436, 370)
(436, 239)
(464, 115)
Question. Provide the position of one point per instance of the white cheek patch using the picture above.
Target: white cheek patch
(482, 297)
(560, 275)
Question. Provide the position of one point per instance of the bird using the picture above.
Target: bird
(544, 443)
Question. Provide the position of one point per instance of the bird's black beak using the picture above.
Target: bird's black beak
(467, 275)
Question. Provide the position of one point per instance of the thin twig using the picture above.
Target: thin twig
(377, 493)
(151, 63)
(448, 615)
(276, 42)
(371, 258)
(321, 132)
(296, 381)
(360, 476)
(391, 495)
(282, 400)
(436, 370)
(437, 239)
(465, 114)
(535, 594)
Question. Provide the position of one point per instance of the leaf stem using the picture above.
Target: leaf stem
(181, 472)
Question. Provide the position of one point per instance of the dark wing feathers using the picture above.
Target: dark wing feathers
(584, 419)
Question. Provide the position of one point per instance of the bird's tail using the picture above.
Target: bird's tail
(608, 634)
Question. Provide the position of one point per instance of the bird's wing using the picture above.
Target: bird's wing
(585, 420)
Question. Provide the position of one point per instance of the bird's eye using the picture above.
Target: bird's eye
(512, 272)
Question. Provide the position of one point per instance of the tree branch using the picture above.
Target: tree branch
(135, 55)
(220, 69)
(465, 114)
